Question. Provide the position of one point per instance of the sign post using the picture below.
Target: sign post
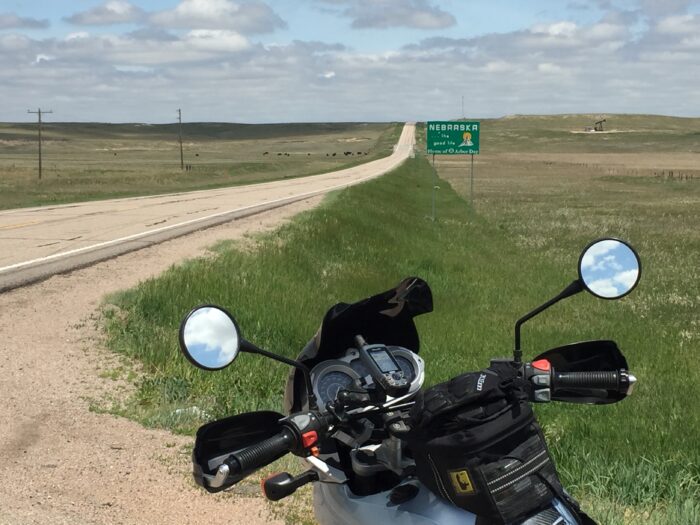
(434, 187)
(454, 138)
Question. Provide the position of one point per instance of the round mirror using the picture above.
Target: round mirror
(609, 268)
(209, 337)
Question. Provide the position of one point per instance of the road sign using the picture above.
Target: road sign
(453, 138)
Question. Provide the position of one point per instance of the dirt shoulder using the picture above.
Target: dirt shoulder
(61, 462)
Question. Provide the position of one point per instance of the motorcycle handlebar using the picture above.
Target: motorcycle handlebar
(256, 456)
(545, 378)
(604, 380)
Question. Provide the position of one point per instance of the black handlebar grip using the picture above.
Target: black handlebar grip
(258, 455)
(605, 380)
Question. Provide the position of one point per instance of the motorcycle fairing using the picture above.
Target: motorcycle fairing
(337, 504)
(385, 318)
(586, 356)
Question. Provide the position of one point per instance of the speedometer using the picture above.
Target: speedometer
(331, 383)
(330, 377)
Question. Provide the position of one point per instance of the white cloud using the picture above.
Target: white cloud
(15, 43)
(247, 17)
(557, 29)
(626, 278)
(499, 66)
(111, 12)
(43, 58)
(604, 288)
(382, 14)
(549, 68)
(80, 35)
(215, 40)
(596, 251)
(605, 31)
(660, 8)
(12, 21)
(679, 25)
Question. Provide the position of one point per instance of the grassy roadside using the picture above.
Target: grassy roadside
(99, 161)
(634, 462)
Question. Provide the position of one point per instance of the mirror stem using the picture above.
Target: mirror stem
(247, 346)
(574, 288)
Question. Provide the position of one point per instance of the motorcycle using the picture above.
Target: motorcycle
(379, 447)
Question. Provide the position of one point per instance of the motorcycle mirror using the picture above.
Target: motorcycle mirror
(609, 268)
(209, 337)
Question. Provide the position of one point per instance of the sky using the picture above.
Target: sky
(346, 60)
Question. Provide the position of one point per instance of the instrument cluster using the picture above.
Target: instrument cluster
(349, 373)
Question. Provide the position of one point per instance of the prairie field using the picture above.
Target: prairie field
(488, 264)
(87, 161)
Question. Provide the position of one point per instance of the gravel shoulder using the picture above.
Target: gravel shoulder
(65, 464)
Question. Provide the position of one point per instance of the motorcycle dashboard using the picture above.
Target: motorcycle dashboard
(349, 373)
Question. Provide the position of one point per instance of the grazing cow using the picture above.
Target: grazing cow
(334, 154)
(265, 153)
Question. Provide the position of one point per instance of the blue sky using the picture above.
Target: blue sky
(331, 60)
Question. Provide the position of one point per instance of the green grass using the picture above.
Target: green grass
(89, 161)
(637, 461)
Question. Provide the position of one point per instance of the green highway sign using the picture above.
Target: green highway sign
(453, 138)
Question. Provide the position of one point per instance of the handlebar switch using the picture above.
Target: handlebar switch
(309, 438)
(543, 395)
(539, 373)
(541, 380)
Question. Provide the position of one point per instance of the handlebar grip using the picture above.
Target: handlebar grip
(255, 456)
(605, 380)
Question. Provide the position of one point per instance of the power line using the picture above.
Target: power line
(39, 112)
(179, 133)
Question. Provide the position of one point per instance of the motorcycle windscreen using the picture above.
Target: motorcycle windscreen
(385, 318)
(587, 356)
(217, 440)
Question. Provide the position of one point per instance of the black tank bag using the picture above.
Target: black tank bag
(477, 445)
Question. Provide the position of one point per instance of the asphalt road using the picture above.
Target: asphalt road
(39, 242)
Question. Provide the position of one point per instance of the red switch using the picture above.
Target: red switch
(542, 364)
(309, 438)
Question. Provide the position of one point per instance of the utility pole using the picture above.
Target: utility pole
(179, 133)
(39, 112)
